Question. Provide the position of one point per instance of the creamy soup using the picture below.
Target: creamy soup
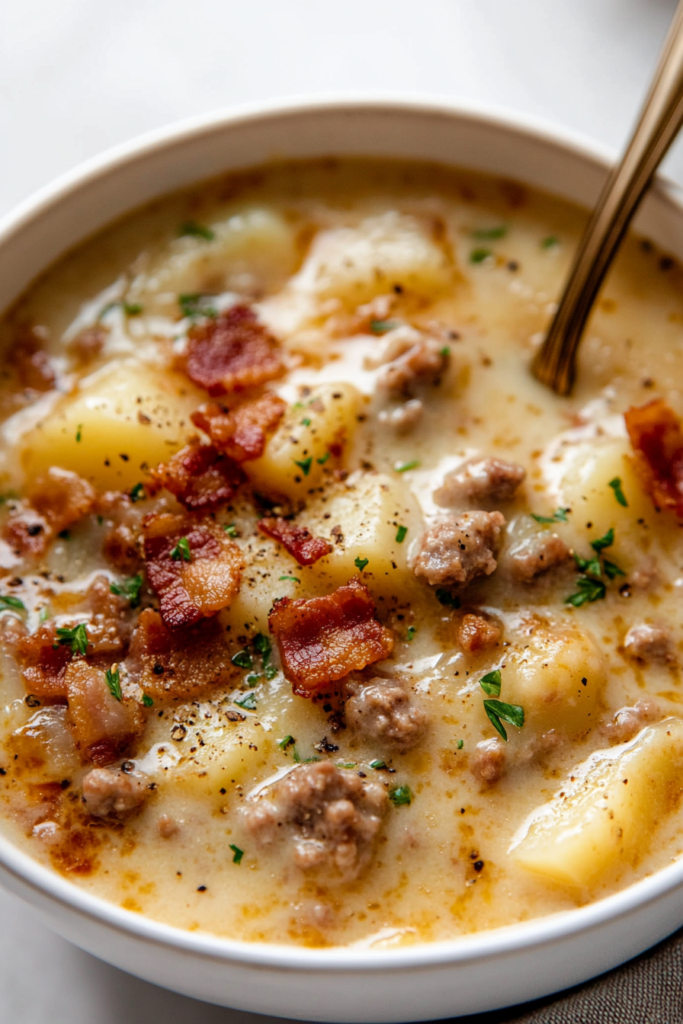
(322, 621)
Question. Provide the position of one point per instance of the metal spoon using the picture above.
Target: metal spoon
(662, 115)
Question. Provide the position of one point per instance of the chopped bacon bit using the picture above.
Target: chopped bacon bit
(168, 664)
(190, 590)
(324, 638)
(242, 432)
(43, 666)
(657, 440)
(232, 353)
(300, 543)
(103, 727)
(34, 365)
(56, 500)
(201, 477)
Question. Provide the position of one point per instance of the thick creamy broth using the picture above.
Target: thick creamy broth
(357, 337)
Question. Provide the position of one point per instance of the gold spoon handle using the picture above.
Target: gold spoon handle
(555, 361)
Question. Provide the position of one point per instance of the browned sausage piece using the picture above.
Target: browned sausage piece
(478, 482)
(109, 793)
(649, 643)
(488, 762)
(380, 710)
(328, 817)
(457, 549)
(536, 555)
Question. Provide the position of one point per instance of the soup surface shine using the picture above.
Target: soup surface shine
(322, 621)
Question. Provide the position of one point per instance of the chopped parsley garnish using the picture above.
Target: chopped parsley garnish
(248, 701)
(286, 742)
(113, 677)
(589, 590)
(306, 422)
(79, 432)
(479, 255)
(403, 467)
(378, 765)
(486, 234)
(7, 601)
(612, 570)
(137, 493)
(194, 230)
(603, 542)
(195, 305)
(269, 671)
(147, 700)
(323, 459)
(262, 645)
(445, 351)
(294, 578)
(346, 764)
(76, 638)
(445, 598)
(132, 308)
(588, 565)
(410, 634)
(44, 614)
(360, 563)
(550, 242)
(615, 484)
(302, 760)
(182, 551)
(382, 326)
(129, 588)
(304, 464)
(230, 529)
(499, 712)
(243, 659)
(401, 795)
(237, 854)
(559, 516)
(491, 683)
(460, 744)
(401, 534)
(253, 678)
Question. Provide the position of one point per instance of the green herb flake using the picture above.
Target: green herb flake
(230, 529)
(615, 484)
(248, 701)
(559, 516)
(44, 614)
(76, 638)
(270, 671)
(499, 712)
(304, 464)
(129, 588)
(490, 234)
(137, 493)
(491, 683)
(147, 700)
(410, 634)
(360, 563)
(378, 765)
(237, 854)
(196, 304)
(346, 764)
(132, 308)
(294, 578)
(286, 742)
(404, 467)
(253, 678)
(460, 744)
(323, 459)
(182, 551)
(191, 229)
(383, 326)
(306, 421)
(262, 645)
(591, 566)
(612, 570)
(603, 542)
(550, 242)
(445, 598)
(113, 677)
(401, 795)
(401, 534)
(445, 351)
(79, 433)
(7, 601)
(242, 659)
(589, 590)
(479, 255)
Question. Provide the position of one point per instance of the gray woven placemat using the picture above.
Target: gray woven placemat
(647, 990)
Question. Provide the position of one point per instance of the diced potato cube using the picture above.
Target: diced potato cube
(606, 814)
(354, 264)
(116, 424)
(252, 251)
(556, 676)
(308, 443)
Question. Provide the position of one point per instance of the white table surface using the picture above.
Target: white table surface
(77, 76)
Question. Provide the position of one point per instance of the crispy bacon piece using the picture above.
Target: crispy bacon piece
(322, 639)
(189, 590)
(56, 500)
(300, 543)
(43, 666)
(201, 477)
(241, 432)
(657, 441)
(232, 353)
(103, 727)
(169, 664)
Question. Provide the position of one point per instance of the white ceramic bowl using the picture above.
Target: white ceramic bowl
(465, 975)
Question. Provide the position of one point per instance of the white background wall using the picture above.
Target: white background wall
(77, 76)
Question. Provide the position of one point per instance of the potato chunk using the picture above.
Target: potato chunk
(309, 441)
(118, 422)
(556, 676)
(606, 814)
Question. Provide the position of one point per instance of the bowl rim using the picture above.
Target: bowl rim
(27, 873)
